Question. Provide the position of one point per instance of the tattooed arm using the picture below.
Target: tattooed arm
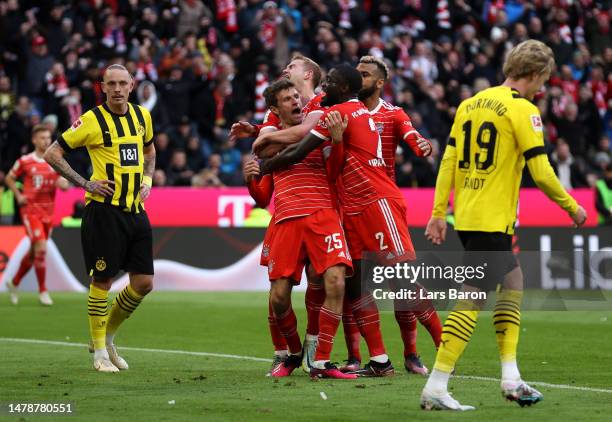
(149, 168)
(54, 155)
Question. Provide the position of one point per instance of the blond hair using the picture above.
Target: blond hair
(528, 58)
(380, 65)
(310, 65)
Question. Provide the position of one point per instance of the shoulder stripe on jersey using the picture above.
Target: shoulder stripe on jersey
(118, 125)
(62, 143)
(125, 184)
(110, 175)
(106, 135)
(319, 135)
(130, 122)
(139, 116)
(534, 152)
(515, 94)
(136, 190)
(451, 142)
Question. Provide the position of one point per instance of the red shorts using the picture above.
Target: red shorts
(380, 229)
(317, 238)
(36, 227)
(267, 243)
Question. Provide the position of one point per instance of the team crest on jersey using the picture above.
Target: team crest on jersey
(77, 124)
(270, 266)
(536, 123)
(141, 130)
(100, 264)
(380, 127)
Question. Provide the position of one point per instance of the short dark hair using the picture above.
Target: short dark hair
(272, 91)
(350, 76)
(380, 65)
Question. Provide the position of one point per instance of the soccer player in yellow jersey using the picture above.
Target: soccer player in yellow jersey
(494, 134)
(115, 232)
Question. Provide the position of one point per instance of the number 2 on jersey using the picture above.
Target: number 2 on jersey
(486, 139)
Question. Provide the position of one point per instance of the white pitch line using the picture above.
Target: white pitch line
(222, 355)
(136, 349)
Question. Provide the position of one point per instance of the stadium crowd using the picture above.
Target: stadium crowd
(202, 65)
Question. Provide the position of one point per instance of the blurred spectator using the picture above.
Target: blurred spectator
(210, 176)
(603, 198)
(163, 153)
(147, 97)
(179, 174)
(570, 172)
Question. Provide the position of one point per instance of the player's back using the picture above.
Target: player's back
(489, 161)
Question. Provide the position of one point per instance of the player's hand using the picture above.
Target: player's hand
(260, 143)
(21, 199)
(145, 192)
(250, 170)
(336, 125)
(242, 130)
(100, 187)
(424, 145)
(436, 230)
(579, 216)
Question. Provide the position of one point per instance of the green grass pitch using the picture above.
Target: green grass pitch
(571, 350)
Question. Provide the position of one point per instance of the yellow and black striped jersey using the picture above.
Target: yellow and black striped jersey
(115, 145)
(493, 135)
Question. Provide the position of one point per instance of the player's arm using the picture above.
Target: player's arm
(288, 136)
(54, 155)
(336, 125)
(62, 183)
(436, 227)
(11, 182)
(148, 152)
(292, 154)
(417, 143)
(260, 188)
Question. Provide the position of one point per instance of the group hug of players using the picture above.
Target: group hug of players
(335, 201)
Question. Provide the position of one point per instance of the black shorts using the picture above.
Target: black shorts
(115, 240)
(492, 248)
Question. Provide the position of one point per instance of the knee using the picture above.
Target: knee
(278, 300)
(334, 281)
(145, 286)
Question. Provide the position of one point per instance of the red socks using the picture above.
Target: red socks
(287, 324)
(40, 267)
(277, 338)
(428, 317)
(24, 267)
(328, 326)
(352, 336)
(315, 296)
(365, 312)
(407, 324)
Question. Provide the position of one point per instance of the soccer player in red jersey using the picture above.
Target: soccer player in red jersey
(394, 126)
(306, 229)
(36, 201)
(372, 205)
(273, 136)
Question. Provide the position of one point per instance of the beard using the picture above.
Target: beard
(366, 93)
(329, 100)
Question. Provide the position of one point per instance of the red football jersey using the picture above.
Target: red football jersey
(393, 125)
(39, 183)
(302, 188)
(363, 177)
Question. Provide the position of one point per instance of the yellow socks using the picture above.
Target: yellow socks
(97, 313)
(456, 333)
(123, 305)
(507, 321)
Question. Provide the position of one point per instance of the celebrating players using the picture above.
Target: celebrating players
(36, 201)
(116, 233)
(494, 134)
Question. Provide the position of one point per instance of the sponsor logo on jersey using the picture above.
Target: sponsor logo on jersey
(536, 123)
(77, 123)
